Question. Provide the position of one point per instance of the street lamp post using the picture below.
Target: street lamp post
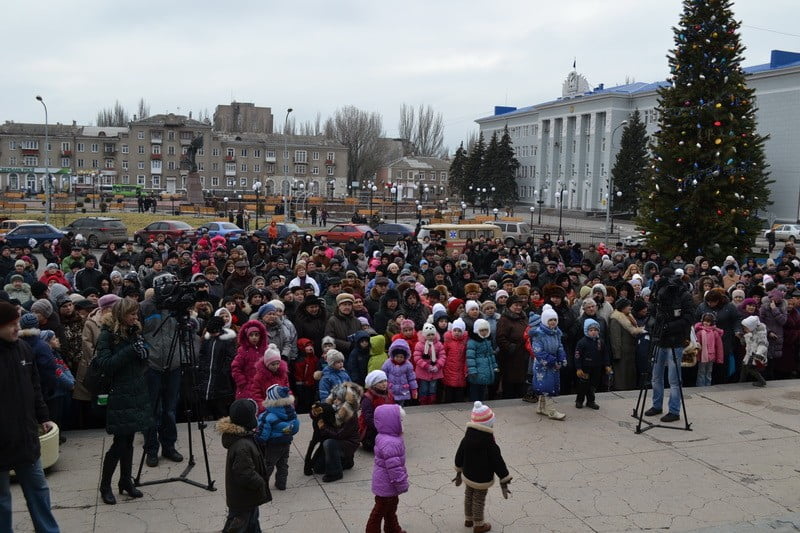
(419, 214)
(286, 147)
(610, 192)
(463, 210)
(532, 209)
(257, 189)
(227, 214)
(495, 211)
(94, 189)
(395, 193)
(48, 191)
(560, 199)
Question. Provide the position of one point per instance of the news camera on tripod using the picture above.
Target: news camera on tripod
(671, 312)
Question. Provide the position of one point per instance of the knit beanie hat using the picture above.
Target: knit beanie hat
(750, 322)
(499, 294)
(243, 413)
(459, 324)
(266, 308)
(428, 329)
(375, 377)
(46, 335)
(271, 355)
(438, 307)
(9, 313)
(328, 340)
(28, 321)
(335, 356)
(279, 305)
(548, 314)
(344, 297)
(482, 414)
(471, 304)
(584, 292)
(481, 324)
(452, 305)
(407, 323)
(43, 307)
(737, 292)
(588, 324)
(364, 320)
(277, 392)
(107, 301)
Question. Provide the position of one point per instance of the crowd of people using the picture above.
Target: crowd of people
(303, 325)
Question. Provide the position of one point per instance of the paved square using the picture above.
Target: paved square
(739, 470)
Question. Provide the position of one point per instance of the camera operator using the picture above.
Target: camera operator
(163, 375)
(672, 312)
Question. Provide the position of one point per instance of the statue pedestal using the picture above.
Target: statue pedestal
(194, 189)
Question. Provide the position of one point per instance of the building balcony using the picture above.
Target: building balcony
(271, 159)
(66, 153)
(30, 151)
(186, 142)
(230, 172)
(330, 163)
(230, 158)
(155, 140)
(155, 156)
(154, 170)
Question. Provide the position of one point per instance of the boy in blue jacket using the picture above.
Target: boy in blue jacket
(276, 427)
(332, 375)
(591, 356)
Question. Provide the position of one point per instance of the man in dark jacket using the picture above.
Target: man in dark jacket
(343, 322)
(513, 355)
(23, 411)
(89, 275)
(311, 319)
(672, 310)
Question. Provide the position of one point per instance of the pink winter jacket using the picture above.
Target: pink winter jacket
(243, 367)
(264, 379)
(423, 365)
(455, 371)
(710, 340)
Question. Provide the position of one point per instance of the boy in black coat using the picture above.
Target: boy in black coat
(246, 483)
(478, 459)
(591, 356)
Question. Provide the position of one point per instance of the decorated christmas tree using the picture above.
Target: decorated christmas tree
(708, 178)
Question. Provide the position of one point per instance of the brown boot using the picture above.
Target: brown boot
(467, 523)
(483, 528)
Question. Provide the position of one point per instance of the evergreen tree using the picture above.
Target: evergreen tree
(708, 175)
(458, 171)
(505, 180)
(490, 169)
(472, 169)
(630, 167)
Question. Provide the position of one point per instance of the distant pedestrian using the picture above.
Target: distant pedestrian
(313, 214)
(323, 219)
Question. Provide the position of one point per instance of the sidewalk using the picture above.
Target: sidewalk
(738, 470)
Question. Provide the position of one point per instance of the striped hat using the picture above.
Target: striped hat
(277, 392)
(482, 414)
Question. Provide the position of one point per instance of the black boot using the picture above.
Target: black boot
(125, 478)
(109, 465)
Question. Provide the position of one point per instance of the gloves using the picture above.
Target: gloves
(504, 488)
(139, 348)
(457, 479)
(433, 368)
(581, 374)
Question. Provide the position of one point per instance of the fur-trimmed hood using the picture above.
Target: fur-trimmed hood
(480, 427)
(346, 400)
(227, 334)
(231, 432)
(29, 332)
(280, 402)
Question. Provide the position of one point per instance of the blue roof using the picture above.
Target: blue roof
(779, 59)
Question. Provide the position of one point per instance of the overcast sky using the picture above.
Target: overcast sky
(463, 58)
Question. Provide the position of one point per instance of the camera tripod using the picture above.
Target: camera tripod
(183, 346)
(646, 382)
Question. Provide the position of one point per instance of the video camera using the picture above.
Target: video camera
(177, 297)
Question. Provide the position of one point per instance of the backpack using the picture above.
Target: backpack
(97, 382)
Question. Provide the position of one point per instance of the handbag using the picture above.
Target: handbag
(97, 381)
(691, 351)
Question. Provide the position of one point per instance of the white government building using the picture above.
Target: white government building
(569, 144)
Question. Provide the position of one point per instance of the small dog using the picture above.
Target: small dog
(319, 411)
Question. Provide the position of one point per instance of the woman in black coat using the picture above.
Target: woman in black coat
(122, 357)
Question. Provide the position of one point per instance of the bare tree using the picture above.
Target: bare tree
(472, 139)
(360, 131)
(290, 127)
(424, 128)
(312, 128)
(143, 109)
(116, 116)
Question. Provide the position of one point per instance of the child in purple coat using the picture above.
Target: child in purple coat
(400, 373)
(389, 476)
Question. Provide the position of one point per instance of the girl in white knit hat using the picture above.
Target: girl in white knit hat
(549, 358)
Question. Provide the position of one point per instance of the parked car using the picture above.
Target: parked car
(391, 232)
(284, 230)
(99, 231)
(785, 232)
(513, 232)
(634, 240)
(228, 230)
(173, 231)
(343, 232)
(22, 234)
(8, 225)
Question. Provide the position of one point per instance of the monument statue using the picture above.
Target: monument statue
(191, 154)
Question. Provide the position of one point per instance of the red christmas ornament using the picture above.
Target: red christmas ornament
(680, 160)
(717, 123)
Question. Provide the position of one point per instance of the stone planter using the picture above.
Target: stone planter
(49, 448)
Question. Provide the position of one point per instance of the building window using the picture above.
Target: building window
(30, 161)
(171, 135)
(270, 168)
(64, 146)
(214, 181)
(231, 183)
(125, 149)
(201, 152)
(244, 152)
(155, 164)
(64, 162)
(140, 149)
(285, 169)
(140, 179)
(81, 147)
(170, 150)
(170, 165)
(124, 165)
(215, 152)
(201, 166)
(243, 182)
(330, 171)
(109, 164)
(156, 182)
(300, 169)
(95, 163)
(79, 163)
(603, 145)
(286, 154)
(256, 166)
(602, 169)
(256, 152)
(155, 149)
(12, 160)
(140, 136)
(94, 147)
(331, 157)
(315, 156)
(140, 165)
(230, 167)
(271, 153)
(12, 145)
(126, 179)
(244, 167)
(214, 166)
(315, 170)
(230, 152)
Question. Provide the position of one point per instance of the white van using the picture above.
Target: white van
(513, 232)
(456, 235)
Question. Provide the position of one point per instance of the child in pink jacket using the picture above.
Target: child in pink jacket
(455, 369)
(429, 360)
(709, 337)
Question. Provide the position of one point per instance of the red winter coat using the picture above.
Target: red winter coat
(423, 364)
(305, 365)
(710, 340)
(243, 367)
(264, 379)
(455, 368)
(58, 277)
